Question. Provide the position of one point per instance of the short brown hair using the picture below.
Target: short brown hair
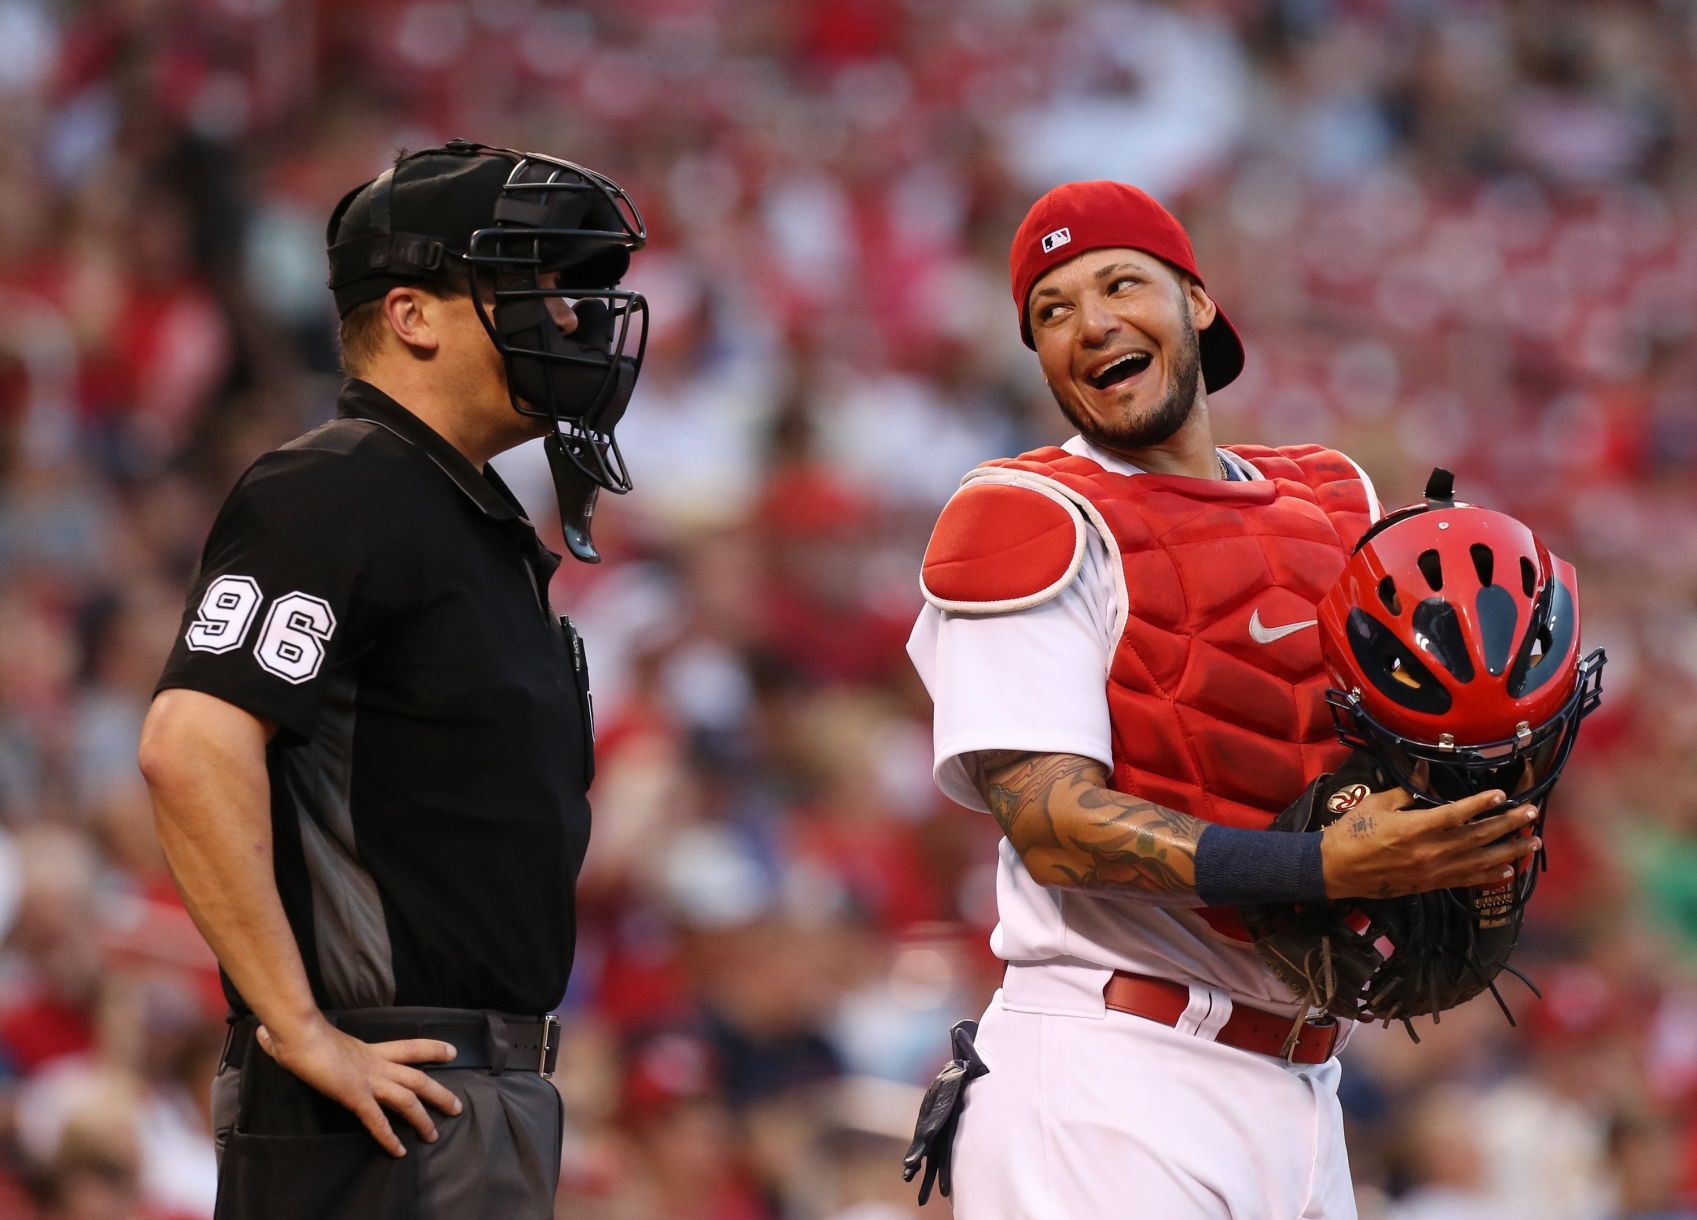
(361, 335)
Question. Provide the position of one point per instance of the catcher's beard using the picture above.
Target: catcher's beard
(1169, 415)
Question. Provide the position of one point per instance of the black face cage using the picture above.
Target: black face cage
(1525, 766)
(582, 382)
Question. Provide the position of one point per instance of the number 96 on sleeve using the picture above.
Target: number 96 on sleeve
(291, 640)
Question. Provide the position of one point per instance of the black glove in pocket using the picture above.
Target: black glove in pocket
(939, 1113)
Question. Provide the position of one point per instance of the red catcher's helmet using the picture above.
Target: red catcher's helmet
(1453, 639)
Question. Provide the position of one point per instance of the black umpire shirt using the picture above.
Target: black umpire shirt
(382, 601)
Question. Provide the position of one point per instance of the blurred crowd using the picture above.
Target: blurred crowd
(1458, 232)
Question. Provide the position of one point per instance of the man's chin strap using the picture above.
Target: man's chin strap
(577, 495)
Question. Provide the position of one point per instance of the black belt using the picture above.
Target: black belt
(487, 1041)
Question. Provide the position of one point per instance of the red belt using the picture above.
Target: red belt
(1248, 1029)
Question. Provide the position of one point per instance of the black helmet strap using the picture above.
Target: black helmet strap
(1440, 488)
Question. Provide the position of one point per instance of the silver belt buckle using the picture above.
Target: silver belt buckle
(550, 1047)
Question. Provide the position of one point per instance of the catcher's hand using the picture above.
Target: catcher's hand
(1421, 914)
(1383, 845)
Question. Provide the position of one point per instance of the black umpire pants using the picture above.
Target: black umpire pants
(286, 1152)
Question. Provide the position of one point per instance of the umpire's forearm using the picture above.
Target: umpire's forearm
(1074, 832)
(204, 762)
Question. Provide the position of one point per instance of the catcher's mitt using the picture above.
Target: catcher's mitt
(1384, 959)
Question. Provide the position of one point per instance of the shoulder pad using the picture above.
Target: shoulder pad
(1000, 547)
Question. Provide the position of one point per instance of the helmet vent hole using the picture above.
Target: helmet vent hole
(1484, 562)
(1387, 596)
(1528, 576)
(1432, 568)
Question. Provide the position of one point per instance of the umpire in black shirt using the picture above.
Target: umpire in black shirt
(370, 747)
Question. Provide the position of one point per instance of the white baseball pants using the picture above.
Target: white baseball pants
(1107, 1116)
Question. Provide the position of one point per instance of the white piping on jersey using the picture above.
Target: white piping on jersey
(1375, 510)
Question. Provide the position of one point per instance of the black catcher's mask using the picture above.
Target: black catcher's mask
(527, 230)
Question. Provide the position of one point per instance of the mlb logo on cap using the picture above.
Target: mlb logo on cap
(1059, 237)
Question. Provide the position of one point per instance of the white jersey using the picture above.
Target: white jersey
(1036, 680)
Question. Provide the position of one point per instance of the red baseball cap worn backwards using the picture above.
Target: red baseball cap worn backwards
(1082, 216)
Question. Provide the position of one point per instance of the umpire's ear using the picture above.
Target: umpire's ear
(413, 316)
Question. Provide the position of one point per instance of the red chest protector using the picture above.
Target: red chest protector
(1215, 688)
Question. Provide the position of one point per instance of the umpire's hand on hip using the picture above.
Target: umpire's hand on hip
(367, 1076)
(1386, 846)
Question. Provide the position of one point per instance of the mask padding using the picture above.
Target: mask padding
(594, 324)
(524, 324)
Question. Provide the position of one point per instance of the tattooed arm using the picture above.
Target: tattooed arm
(1073, 831)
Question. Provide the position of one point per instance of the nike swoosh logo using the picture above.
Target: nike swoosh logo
(1266, 635)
